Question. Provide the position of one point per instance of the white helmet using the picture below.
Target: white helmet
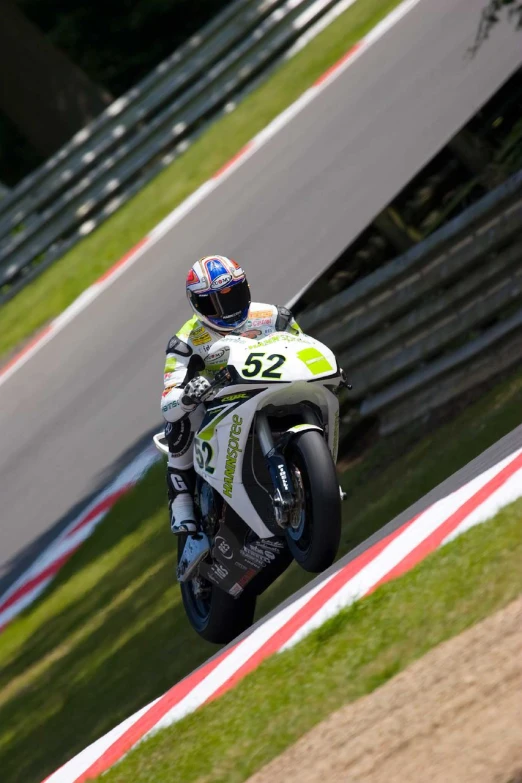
(218, 292)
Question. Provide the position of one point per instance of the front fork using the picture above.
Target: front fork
(284, 493)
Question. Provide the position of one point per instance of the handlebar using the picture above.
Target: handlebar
(344, 382)
(222, 377)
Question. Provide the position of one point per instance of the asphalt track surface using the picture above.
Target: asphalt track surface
(72, 417)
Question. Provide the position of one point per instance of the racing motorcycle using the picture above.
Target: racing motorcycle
(266, 486)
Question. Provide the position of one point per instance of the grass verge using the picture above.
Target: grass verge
(109, 634)
(56, 288)
(350, 656)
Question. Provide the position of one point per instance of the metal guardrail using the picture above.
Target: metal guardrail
(434, 322)
(143, 131)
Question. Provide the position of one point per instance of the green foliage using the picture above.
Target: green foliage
(491, 15)
(117, 43)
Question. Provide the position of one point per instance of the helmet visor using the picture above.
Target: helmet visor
(230, 305)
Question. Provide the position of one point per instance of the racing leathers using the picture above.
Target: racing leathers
(189, 362)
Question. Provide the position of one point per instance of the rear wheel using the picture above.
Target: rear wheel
(216, 616)
(315, 530)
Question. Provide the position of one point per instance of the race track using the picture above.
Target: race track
(71, 417)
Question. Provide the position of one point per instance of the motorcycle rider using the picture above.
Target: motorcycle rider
(219, 295)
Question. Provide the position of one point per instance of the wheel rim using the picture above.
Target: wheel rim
(300, 528)
(200, 605)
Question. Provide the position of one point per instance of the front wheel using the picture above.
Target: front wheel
(315, 529)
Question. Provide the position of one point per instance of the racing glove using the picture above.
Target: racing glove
(194, 393)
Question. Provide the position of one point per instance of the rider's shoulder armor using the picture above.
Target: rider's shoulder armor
(178, 346)
(194, 335)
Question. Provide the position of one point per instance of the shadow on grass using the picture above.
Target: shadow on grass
(22, 560)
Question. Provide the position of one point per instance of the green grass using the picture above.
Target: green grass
(56, 288)
(109, 634)
(348, 657)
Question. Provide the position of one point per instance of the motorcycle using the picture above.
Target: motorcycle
(266, 486)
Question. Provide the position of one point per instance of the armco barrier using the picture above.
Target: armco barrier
(434, 322)
(142, 132)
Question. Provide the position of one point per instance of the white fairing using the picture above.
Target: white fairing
(287, 369)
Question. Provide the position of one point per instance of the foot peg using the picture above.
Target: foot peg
(343, 494)
(184, 528)
(195, 549)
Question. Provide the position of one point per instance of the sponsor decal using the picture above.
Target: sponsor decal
(315, 361)
(200, 336)
(282, 476)
(261, 553)
(216, 356)
(261, 314)
(220, 570)
(221, 280)
(232, 397)
(224, 547)
(167, 390)
(251, 333)
(233, 451)
(169, 406)
(279, 337)
(178, 482)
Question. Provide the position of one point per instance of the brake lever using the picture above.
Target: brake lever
(344, 382)
(222, 376)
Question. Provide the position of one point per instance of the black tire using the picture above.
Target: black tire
(315, 540)
(218, 618)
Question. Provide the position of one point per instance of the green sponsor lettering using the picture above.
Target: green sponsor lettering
(232, 453)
